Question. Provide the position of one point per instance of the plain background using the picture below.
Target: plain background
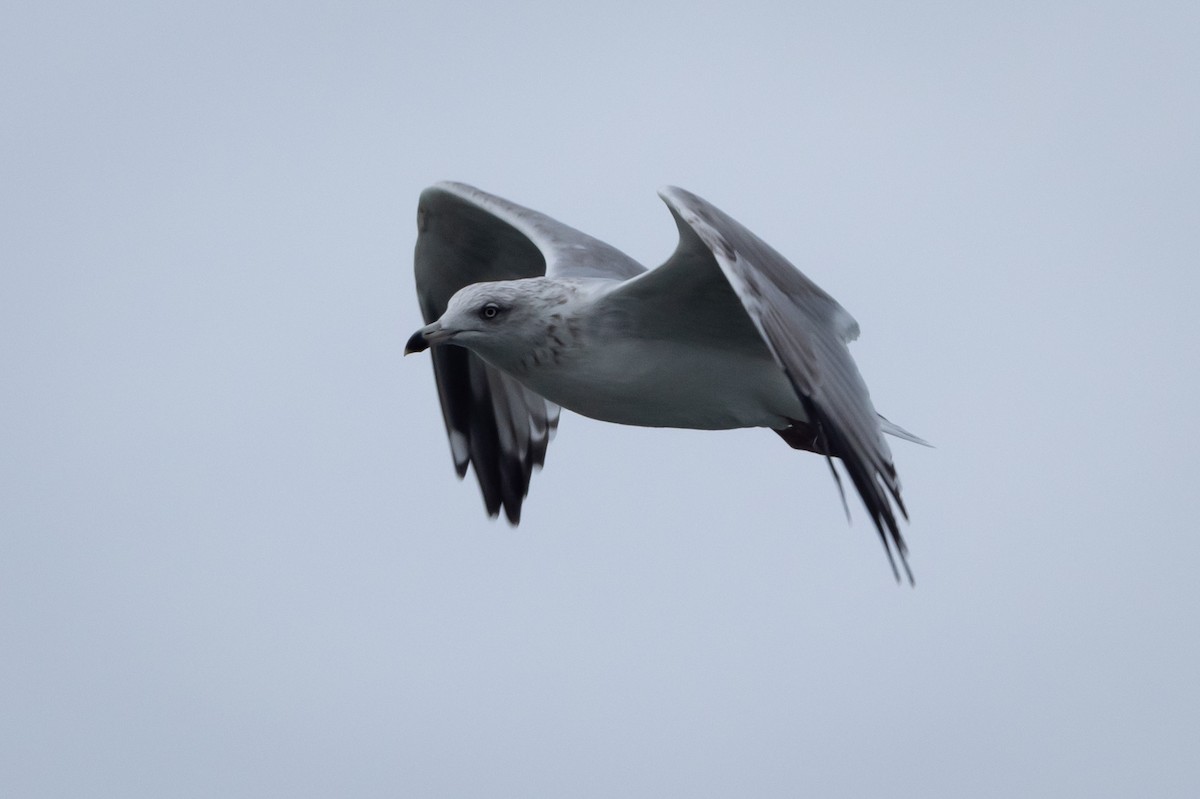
(234, 560)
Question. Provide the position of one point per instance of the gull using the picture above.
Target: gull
(725, 334)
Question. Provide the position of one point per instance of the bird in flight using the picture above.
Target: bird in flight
(726, 334)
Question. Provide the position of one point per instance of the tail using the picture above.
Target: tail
(899, 432)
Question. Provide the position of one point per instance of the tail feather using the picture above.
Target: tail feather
(899, 432)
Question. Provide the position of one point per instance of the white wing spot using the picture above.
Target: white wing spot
(459, 447)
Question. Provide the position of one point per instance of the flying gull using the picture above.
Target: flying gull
(727, 333)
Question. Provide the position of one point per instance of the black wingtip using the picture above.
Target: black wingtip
(512, 512)
(873, 494)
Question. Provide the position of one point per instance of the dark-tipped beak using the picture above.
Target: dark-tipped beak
(417, 343)
(423, 338)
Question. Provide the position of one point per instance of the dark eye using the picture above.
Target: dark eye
(489, 311)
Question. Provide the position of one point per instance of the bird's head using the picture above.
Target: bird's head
(499, 320)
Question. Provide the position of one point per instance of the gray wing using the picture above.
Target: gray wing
(564, 251)
(494, 423)
(721, 270)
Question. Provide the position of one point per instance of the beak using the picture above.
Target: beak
(423, 338)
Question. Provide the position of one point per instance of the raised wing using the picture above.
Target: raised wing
(722, 268)
(494, 423)
(468, 236)
(523, 236)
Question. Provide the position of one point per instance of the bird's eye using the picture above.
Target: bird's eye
(490, 311)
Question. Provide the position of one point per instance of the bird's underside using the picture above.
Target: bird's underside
(782, 342)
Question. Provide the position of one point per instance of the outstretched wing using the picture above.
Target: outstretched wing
(467, 236)
(494, 423)
(721, 270)
(523, 237)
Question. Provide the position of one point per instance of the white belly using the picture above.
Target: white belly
(652, 384)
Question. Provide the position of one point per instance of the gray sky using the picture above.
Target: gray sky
(234, 560)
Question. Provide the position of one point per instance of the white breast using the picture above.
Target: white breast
(658, 384)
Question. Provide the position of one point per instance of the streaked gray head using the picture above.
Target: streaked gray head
(500, 321)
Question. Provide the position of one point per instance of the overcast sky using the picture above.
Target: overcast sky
(235, 560)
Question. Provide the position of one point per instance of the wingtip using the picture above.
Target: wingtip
(512, 510)
(673, 196)
(896, 431)
(453, 187)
